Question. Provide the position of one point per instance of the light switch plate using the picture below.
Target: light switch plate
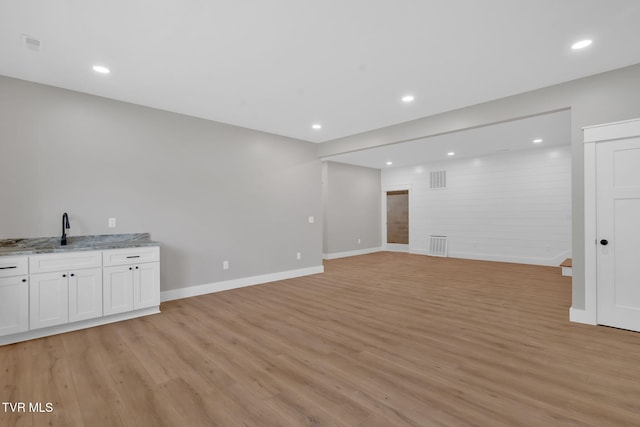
(311, 220)
(112, 223)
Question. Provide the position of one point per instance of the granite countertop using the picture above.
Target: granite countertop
(47, 245)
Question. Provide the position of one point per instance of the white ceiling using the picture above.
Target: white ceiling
(554, 129)
(281, 65)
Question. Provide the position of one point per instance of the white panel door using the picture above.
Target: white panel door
(618, 233)
(85, 294)
(117, 286)
(48, 300)
(146, 285)
(14, 305)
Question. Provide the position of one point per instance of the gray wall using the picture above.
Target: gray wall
(351, 208)
(602, 98)
(207, 191)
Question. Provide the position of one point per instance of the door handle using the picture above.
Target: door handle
(604, 242)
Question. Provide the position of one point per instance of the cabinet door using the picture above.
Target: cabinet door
(14, 305)
(146, 285)
(85, 294)
(117, 286)
(48, 300)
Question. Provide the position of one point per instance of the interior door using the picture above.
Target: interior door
(398, 217)
(618, 233)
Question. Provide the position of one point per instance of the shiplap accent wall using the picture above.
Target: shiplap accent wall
(512, 207)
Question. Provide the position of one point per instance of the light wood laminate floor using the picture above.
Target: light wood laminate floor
(385, 339)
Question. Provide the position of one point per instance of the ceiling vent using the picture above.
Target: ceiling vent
(31, 43)
(438, 179)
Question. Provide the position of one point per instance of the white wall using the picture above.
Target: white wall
(513, 207)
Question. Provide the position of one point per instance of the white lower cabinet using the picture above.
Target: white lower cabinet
(48, 300)
(131, 279)
(146, 285)
(131, 287)
(117, 287)
(76, 288)
(62, 297)
(85, 294)
(67, 288)
(14, 305)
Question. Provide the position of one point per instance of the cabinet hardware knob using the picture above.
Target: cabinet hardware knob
(604, 242)
(137, 267)
(72, 274)
(64, 275)
(24, 280)
(130, 268)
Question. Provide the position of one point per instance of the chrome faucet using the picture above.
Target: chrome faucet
(65, 226)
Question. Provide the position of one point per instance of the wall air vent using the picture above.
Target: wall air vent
(438, 179)
(31, 43)
(437, 246)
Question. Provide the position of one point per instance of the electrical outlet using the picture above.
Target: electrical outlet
(112, 223)
(359, 241)
(311, 220)
(298, 255)
(225, 265)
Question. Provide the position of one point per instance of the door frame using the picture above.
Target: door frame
(394, 247)
(592, 136)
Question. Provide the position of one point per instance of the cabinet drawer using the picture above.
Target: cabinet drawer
(14, 266)
(64, 261)
(130, 256)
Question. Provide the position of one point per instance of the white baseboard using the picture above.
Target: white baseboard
(550, 262)
(335, 255)
(418, 251)
(396, 247)
(393, 247)
(582, 316)
(209, 288)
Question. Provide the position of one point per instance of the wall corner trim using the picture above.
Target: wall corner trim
(582, 316)
(226, 285)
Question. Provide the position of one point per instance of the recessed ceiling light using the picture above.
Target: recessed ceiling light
(581, 44)
(101, 69)
(316, 126)
(408, 98)
(451, 153)
(537, 140)
(389, 163)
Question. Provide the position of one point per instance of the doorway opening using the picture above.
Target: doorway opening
(398, 217)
